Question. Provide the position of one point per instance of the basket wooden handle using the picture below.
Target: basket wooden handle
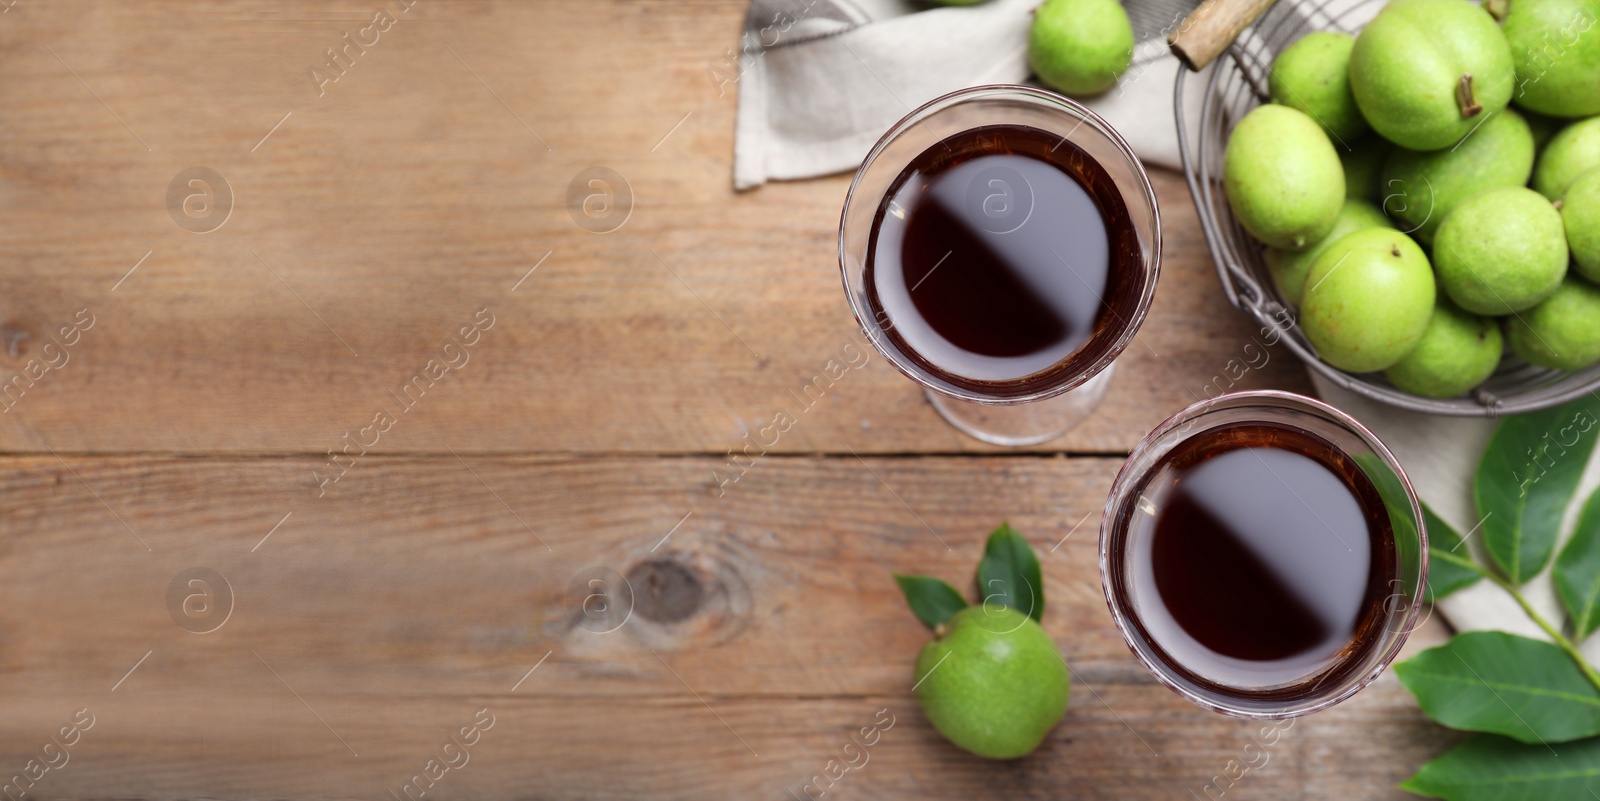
(1211, 28)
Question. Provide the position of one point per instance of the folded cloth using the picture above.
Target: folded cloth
(821, 80)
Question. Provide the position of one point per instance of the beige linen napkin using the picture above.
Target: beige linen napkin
(820, 80)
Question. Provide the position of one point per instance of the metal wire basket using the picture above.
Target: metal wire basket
(1236, 84)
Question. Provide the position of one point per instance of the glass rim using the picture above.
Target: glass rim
(1063, 104)
(1118, 497)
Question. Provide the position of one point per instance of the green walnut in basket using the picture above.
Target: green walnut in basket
(1556, 47)
(1501, 251)
(1423, 71)
(1457, 352)
(1573, 151)
(1563, 332)
(1421, 189)
(1580, 214)
(1283, 178)
(1497, 206)
(1312, 75)
(1368, 300)
(1289, 267)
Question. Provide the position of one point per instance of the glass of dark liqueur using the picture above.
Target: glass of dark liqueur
(1000, 246)
(1263, 554)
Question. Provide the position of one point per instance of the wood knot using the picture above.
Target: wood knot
(12, 337)
(694, 592)
(665, 591)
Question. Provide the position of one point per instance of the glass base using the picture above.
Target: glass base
(1024, 423)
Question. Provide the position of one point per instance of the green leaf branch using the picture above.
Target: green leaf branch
(1008, 576)
(1561, 640)
(1535, 704)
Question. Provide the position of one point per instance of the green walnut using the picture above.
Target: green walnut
(1284, 181)
(1368, 300)
(1080, 47)
(1421, 189)
(1313, 75)
(1563, 332)
(1457, 352)
(1555, 45)
(1501, 251)
(1580, 215)
(992, 682)
(1423, 71)
(1289, 267)
(1573, 151)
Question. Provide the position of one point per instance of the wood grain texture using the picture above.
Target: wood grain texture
(379, 619)
(446, 570)
(416, 191)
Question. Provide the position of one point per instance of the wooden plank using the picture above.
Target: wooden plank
(369, 623)
(372, 222)
(547, 747)
(374, 615)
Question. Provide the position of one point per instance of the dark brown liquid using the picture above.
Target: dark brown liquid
(1257, 560)
(1003, 260)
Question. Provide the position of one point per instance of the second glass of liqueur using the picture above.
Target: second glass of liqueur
(1263, 554)
(1000, 246)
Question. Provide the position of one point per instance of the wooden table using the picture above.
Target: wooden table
(190, 391)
